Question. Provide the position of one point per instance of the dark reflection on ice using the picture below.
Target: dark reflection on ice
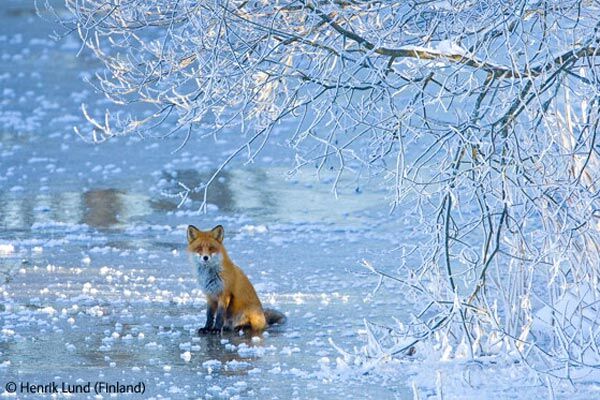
(258, 192)
(268, 194)
(233, 190)
(102, 207)
(97, 208)
(105, 208)
(19, 12)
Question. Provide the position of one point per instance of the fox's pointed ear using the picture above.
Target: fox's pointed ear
(218, 232)
(192, 233)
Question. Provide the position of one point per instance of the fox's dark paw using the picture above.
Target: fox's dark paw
(215, 331)
(242, 328)
(204, 331)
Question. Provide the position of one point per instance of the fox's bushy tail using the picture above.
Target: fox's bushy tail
(274, 317)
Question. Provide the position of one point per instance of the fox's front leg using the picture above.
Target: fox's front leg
(211, 307)
(221, 311)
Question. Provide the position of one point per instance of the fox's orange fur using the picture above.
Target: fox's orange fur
(232, 302)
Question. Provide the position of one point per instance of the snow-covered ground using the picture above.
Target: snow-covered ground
(95, 280)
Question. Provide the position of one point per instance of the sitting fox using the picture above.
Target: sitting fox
(231, 300)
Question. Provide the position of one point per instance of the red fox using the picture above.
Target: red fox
(232, 302)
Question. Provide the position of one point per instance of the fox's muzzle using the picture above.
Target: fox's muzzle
(207, 261)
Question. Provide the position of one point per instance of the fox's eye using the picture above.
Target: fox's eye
(212, 249)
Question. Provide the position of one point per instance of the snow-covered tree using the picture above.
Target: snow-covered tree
(482, 116)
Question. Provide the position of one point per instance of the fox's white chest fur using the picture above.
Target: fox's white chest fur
(209, 275)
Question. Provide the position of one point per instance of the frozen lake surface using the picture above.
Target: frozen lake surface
(96, 282)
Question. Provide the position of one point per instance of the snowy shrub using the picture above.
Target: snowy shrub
(481, 116)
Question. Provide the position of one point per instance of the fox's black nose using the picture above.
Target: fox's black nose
(205, 258)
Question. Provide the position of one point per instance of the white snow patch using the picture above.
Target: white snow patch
(212, 365)
(48, 310)
(235, 365)
(6, 249)
(252, 229)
